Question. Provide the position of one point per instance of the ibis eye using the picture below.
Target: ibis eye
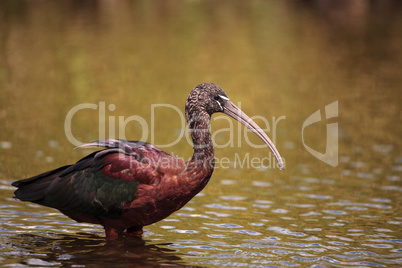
(217, 97)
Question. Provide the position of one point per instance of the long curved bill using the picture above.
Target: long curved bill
(233, 111)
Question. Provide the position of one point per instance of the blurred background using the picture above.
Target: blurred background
(278, 59)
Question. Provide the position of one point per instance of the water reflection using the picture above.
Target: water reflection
(87, 249)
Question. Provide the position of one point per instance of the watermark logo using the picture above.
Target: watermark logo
(108, 123)
(330, 156)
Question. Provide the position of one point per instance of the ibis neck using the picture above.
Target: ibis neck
(203, 156)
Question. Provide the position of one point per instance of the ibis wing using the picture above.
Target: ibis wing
(99, 185)
(140, 152)
(91, 193)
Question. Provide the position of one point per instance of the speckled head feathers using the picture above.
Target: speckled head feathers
(206, 96)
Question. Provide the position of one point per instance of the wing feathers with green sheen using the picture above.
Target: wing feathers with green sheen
(91, 193)
(101, 185)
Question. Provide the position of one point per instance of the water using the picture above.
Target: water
(282, 60)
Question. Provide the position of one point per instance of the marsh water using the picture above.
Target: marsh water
(77, 71)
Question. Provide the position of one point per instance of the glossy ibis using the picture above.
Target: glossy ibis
(131, 184)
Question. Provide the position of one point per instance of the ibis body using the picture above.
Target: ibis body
(130, 184)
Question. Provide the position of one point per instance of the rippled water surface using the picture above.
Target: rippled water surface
(279, 60)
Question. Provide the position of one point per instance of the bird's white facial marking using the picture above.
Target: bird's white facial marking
(223, 97)
(219, 104)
